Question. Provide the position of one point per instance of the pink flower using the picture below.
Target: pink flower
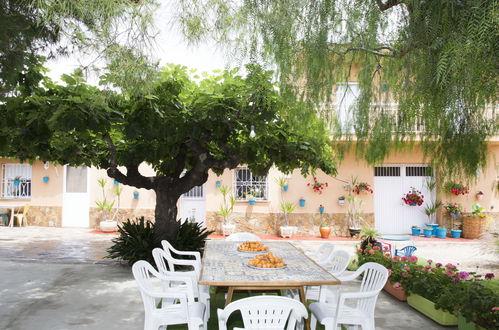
(371, 251)
(360, 250)
(389, 272)
(413, 259)
(427, 267)
(385, 248)
(397, 285)
(407, 268)
(376, 247)
(489, 276)
(404, 274)
(495, 308)
(438, 265)
(429, 261)
(449, 272)
(451, 266)
(405, 258)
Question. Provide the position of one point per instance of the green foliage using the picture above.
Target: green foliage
(368, 236)
(135, 242)
(228, 203)
(474, 300)
(115, 31)
(288, 207)
(191, 236)
(477, 210)
(281, 181)
(423, 54)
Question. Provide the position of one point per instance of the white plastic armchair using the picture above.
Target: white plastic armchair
(169, 249)
(265, 312)
(167, 307)
(337, 263)
(243, 237)
(321, 255)
(333, 313)
(201, 292)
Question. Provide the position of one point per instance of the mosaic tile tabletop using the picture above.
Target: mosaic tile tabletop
(224, 265)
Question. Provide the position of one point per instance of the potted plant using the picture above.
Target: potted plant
(479, 195)
(431, 211)
(287, 230)
(362, 187)
(474, 223)
(413, 197)
(251, 199)
(455, 188)
(341, 200)
(17, 181)
(325, 229)
(218, 183)
(302, 201)
(453, 209)
(317, 186)
(321, 209)
(45, 179)
(225, 210)
(354, 214)
(441, 232)
(283, 183)
(415, 231)
(428, 231)
(107, 224)
(368, 236)
(135, 194)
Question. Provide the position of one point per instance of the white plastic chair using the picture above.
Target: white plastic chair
(265, 312)
(167, 306)
(169, 249)
(201, 292)
(321, 255)
(337, 263)
(333, 313)
(243, 237)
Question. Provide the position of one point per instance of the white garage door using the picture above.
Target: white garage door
(391, 183)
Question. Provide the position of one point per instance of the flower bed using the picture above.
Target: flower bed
(449, 290)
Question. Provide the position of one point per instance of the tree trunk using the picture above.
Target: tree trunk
(166, 226)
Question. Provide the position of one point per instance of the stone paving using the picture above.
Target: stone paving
(56, 278)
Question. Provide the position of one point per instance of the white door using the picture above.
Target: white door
(193, 206)
(75, 200)
(391, 183)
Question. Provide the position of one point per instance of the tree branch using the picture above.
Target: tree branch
(132, 177)
(387, 5)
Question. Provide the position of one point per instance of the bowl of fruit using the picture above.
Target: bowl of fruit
(252, 247)
(266, 261)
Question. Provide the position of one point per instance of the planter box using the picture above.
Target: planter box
(397, 293)
(427, 308)
(462, 324)
(473, 227)
(288, 231)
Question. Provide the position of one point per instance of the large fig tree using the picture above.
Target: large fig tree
(183, 128)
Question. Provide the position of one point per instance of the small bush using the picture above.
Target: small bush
(136, 242)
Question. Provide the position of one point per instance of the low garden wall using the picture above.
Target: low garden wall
(269, 223)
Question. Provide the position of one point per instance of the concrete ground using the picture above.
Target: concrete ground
(53, 278)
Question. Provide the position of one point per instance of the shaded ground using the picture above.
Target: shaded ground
(54, 278)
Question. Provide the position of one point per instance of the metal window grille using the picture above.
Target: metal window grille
(196, 192)
(418, 171)
(387, 171)
(246, 184)
(16, 181)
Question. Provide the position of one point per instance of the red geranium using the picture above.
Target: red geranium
(362, 186)
(413, 197)
(317, 186)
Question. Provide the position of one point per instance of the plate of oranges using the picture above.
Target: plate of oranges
(266, 261)
(252, 247)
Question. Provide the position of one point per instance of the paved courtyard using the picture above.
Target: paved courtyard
(54, 278)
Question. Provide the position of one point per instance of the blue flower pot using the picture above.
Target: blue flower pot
(456, 233)
(136, 195)
(285, 188)
(251, 202)
(302, 202)
(218, 184)
(428, 232)
(321, 209)
(17, 182)
(416, 231)
(454, 215)
(45, 179)
(435, 226)
(116, 182)
(441, 232)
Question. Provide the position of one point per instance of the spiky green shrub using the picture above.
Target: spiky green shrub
(191, 236)
(135, 242)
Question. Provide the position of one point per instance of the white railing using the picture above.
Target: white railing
(16, 181)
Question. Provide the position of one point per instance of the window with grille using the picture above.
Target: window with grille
(418, 171)
(196, 192)
(246, 184)
(16, 181)
(387, 171)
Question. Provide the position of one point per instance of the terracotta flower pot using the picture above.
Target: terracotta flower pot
(396, 292)
(325, 231)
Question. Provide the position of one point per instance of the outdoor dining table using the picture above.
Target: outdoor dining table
(224, 266)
